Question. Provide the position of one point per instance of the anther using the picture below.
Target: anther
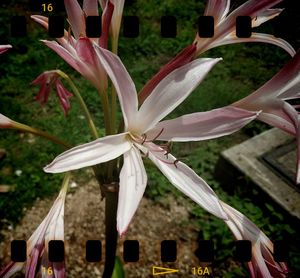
(166, 154)
(168, 147)
(175, 162)
(144, 138)
(157, 135)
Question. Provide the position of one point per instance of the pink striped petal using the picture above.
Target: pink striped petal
(4, 48)
(133, 181)
(285, 84)
(262, 247)
(264, 16)
(66, 41)
(75, 17)
(90, 7)
(184, 179)
(203, 125)
(292, 113)
(171, 92)
(224, 33)
(63, 95)
(87, 54)
(63, 53)
(87, 63)
(95, 152)
(122, 82)
(106, 20)
(278, 122)
(11, 269)
(250, 8)
(217, 8)
(256, 37)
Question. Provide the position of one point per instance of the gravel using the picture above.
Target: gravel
(84, 216)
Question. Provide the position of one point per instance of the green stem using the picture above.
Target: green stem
(40, 133)
(114, 45)
(106, 113)
(111, 234)
(113, 108)
(65, 182)
(112, 164)
(82, 104)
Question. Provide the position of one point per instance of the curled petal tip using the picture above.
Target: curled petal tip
(46, 169)
(4, 48)
(49, 169)
(122, 231)
(5, 122)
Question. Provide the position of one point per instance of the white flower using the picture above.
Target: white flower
(142, 127)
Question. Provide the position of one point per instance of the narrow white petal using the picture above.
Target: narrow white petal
(90, 7)
(186, 180)
(117, 17)
(75, 17)
(244, 229)
(255, 37)
(203, 125)
(13, 269)
(293, 114)
(95, 152)
(277, 121)
(264, 16)
(218, 9)
(283, 85)
(172, 91)
(123, 83)
(133, 181)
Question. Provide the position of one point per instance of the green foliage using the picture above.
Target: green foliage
(118, 269)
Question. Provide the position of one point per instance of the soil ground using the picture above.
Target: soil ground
(84, 215)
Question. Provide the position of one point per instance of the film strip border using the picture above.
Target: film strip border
(131, 27)
(242, 251)
(286, 25)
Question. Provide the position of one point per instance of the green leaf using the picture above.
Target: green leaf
(269, 207)
(118, 269)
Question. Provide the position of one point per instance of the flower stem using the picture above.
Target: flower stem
(65, 182)
(113, 109)
(35, 131)
(106, 113)
(82, 104)
(111, 165)
(111, 234)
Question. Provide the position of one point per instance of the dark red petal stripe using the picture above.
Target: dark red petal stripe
(106, 19)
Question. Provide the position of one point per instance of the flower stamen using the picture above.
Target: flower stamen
(144, 136)
(156, 136)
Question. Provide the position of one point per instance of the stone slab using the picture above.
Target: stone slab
(247, 158)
